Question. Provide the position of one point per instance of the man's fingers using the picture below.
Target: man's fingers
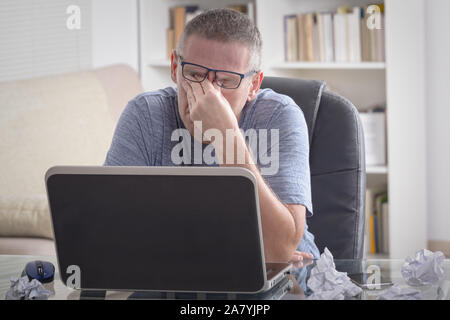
(189, 95)
(210, 86)
(299, 256)
(191, 99)
(189, 92)
(186, 86)
(197, 88)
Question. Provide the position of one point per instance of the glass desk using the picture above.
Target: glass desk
(12, 266)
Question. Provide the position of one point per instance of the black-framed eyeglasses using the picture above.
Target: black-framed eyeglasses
(225, 79)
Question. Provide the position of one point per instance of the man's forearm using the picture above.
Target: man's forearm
(282, 230)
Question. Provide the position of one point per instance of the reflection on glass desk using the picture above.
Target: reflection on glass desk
(12, 266)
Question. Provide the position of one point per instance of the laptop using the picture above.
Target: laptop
(167, 229)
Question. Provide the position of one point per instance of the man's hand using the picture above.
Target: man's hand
(300, 256)
(303, 261)
(207, 104)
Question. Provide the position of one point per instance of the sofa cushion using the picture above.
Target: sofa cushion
(27, 246)
(47, 121)
(25, 216)
(66, 119)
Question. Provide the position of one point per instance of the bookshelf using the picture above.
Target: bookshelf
(303, 65)
(331, 65)
(397, 83)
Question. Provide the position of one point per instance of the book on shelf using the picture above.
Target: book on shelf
(325, 37)
(373, 33)
(290, 38)
(373, 122)
(177, 21)
(385, 219)
(354, 35)
(179, 16)
(305, 34)
(340, 36)
(377, 221)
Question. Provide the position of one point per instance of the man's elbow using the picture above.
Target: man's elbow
(292, 246)
(285, 250)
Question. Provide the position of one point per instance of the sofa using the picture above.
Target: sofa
(66, 119)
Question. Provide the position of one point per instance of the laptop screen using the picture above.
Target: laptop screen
(157, 232)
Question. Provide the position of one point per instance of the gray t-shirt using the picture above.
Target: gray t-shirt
(150, 132)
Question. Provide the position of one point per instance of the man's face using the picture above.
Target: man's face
(213, 54)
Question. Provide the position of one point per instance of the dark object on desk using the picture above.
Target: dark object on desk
(337, 163)
(123, 230)
(43, 271)
(276, 293)
(92, 294)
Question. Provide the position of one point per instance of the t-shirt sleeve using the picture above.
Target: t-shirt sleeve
(292, 181)
(128, 147)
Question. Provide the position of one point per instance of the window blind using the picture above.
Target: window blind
(35, 39)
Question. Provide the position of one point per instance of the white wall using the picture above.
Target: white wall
(114, 33)
(438, 118)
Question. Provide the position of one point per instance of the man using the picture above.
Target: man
(216, 69)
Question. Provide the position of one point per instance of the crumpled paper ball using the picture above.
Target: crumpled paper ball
(24, 289)
(329, 284)
(396, 292)
(424, 268)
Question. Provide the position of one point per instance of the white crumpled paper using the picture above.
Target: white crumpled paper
(23, 289)
(396, 292)
(424, 268)
(329, 284)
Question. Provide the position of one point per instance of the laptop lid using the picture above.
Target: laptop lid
(158, 228)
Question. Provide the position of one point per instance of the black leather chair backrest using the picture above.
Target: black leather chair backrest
(337, 165)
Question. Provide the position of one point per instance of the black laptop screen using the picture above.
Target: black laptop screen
(157, 232)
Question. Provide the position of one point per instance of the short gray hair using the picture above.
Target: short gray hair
(226, 25)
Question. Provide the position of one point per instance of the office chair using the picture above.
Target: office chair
(337, 164)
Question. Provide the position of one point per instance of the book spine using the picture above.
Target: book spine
(385, 218)
(285, 39)
(293, 39)
(309, 37)
(170, 42)
(365, 37)
(380, 56)
(368, 214)
(372, 235)
(340, 37)
(316, 39)
(320, 37)
(301, 37)
(355, 35)
(375, 232)
(179, 22)
(328, 34)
